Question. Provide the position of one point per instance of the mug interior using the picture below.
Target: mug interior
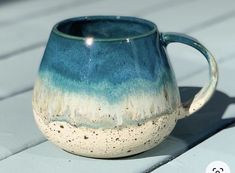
(106, 27)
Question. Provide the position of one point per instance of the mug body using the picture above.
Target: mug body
(105, 87)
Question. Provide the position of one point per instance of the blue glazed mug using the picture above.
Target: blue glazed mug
(106, 88)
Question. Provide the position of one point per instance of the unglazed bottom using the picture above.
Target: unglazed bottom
(108, 143)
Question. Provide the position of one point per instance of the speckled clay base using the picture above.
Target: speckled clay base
(108, 143)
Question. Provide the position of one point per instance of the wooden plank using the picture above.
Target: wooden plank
(198, 19)
(219, 38)
(17, 127)
(16, 12)
(19, 72)
(48, 158)
(220, 147)
(188, 16)
(38, 29)
(226, 83)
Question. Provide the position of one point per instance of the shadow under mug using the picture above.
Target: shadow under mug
(106, 88)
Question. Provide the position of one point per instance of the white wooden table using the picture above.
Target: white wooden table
(206, 136)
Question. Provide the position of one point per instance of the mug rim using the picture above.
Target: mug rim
(108, 17)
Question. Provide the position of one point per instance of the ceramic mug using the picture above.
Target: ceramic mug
(106, 88)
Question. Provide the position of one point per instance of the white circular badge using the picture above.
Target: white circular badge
(217, 167)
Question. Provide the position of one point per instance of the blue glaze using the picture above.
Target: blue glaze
(125, 57)
(105, 89)
(94, 26)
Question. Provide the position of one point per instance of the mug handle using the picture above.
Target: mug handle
(201, 98)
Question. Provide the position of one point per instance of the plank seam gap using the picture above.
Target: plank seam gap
(154, 167)
(160, 7)
(26, 148)
(17, 93)
(211, 22)
(22, 50)
(45, 12)
(201, 70)
(7, 2)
